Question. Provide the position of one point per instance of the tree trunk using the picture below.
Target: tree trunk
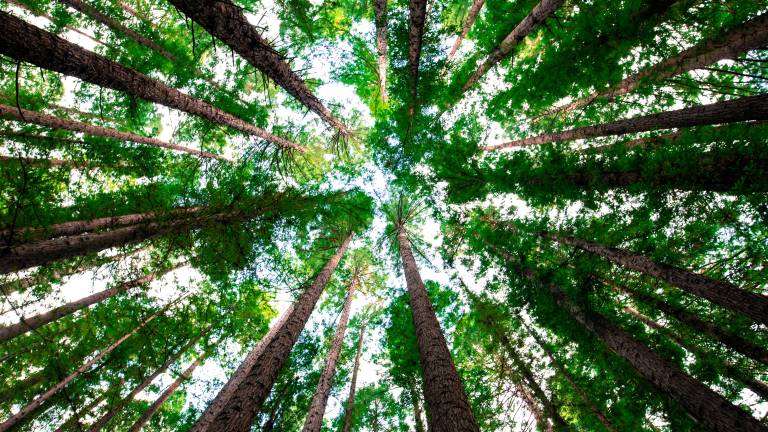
(36, 403)
(314, 420)
(474, 11)
(25, 42)
(22, 284)
(225, 394)
(26, 325)
(226, 21)
(381, 20)
(718, 292)
(51, 20)
(416, 22)
(116, 26)
(533, 407)
(52, 122)
(728, 45)
(531, 22)
(144, 419)
(731, 111)
(114, 390)
(418, 422)
(246, 401)
(446, 402)
(350, 407)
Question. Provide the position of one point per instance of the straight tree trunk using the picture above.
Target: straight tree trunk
(730, 44)
(147, 416)
(222, 397)
(381, 20)
(350, 407)
(75, 419)
(28, 43)
(226, 21)
(531, 22)
(245, 403)
(731, 111)
(722, 293)
(51, 20)
(26, 325)
(52, 122)
(447, 405)
(416, 22)
(418, 422)
(474, 11)
(314, 420)
(118, 27)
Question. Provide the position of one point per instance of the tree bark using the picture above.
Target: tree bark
(381, 21)
(50, 19)
(26, 325)
(418, 422)
(246, 401)
(350, 407)
(446, 402)
(226, 21)
(531, 22)
(416, 22)
(314, 420)
(748, 36)
(724, 294)
(52, 122)
(474, 11)
(225, 394)
(28, 43)
(731, 111)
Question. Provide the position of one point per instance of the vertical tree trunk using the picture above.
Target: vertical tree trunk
(245, 403)
(314, 420)
(226, 21)
(381, 20)
(25, 42)
(350, 407)
(474, 11)
(731, 111)
(417, 420)
(447, 405)
(721, 293)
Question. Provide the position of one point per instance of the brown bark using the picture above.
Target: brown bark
(418, 422)
(446, 402)
(748, 36)
(22, 414)
(381, 21)
(226, 392)
(226, 21)
(721, 293)
(474, 11)
(28, 43)
(531, 22)
(736, 110)
(52, 122)
(245, 403)
(118, 27)
(28, 324)
(350, 407)
(50, 19)
(416, 21)
(314, 420)
(144, 419)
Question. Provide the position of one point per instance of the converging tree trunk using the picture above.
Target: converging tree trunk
(25, 42)
(244, 404)
(474, 11)
(75, 419)
(731, 111)
(349, 409)
(381, 21)
(447, 405)
(314, 420)
(416, 22)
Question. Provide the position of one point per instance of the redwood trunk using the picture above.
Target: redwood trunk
(531, 22)
(446, 402)
(474, 11)
(350, 407)
(417, 18)
(731, 111)
(246, 401)
(314, 420)
(381, 19)
(52, 122)
(226, 21)
(25, 42)
(721, 293)
(418, 422)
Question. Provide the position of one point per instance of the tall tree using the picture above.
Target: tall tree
(349, 408)
(474, 11)
(381, 20)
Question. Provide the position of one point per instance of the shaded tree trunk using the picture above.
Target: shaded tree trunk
(731, 111)
(417, 420)
(416, 22)
(246, 401)
(474, 11)
(531, 22)
(52, 122)
(52, 20)
(28, 43)
(314, 420)
(350, 407)
(226, 21)
(381, 20)
(447, 405)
